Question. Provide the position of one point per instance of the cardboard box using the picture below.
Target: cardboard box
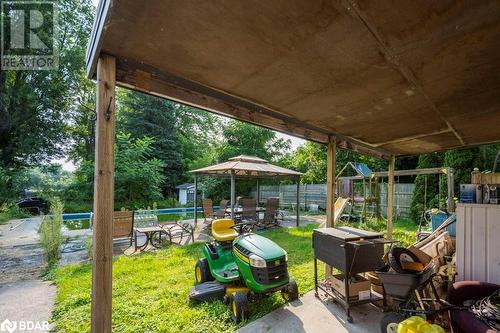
(421, 255)
(360, 289)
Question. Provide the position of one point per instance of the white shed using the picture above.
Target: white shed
(186, 193)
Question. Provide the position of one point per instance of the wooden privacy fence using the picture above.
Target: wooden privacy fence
(403, 195)
(315, 194)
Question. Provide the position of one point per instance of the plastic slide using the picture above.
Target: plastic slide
(340, 205)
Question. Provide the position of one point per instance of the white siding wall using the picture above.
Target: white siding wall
(478, 242)
(183, 196)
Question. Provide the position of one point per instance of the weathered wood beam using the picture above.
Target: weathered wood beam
(148, 79)
(450, 181)
(331, 166)
(103, 196)
(390, 197)
(330, 181)
(410, 172)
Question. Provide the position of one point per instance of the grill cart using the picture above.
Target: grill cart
(352, 251)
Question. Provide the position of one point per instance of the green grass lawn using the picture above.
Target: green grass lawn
(150, 290)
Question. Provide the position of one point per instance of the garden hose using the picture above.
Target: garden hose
(488, 310)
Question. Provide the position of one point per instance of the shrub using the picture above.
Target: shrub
(88, 247)
(77, 206)
(9, 211)
(51, 236)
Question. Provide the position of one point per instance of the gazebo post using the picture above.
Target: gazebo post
(298, 200)
(195, 199)
(233, 193)
(102, 259)
(258, 192)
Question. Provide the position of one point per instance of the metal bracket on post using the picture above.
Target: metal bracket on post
(107, 113)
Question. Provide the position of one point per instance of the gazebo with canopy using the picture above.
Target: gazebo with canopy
(245, 167)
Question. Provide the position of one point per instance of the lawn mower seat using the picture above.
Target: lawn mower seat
(222, 231)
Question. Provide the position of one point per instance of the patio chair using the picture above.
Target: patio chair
(208, 211)
(178, 229)
(123, 225)
(249, 210)
(222, 209)
(238, 202)
(270, 214)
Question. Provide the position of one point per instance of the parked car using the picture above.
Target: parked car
(34, 205)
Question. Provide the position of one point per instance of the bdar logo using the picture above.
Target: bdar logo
(8, 326)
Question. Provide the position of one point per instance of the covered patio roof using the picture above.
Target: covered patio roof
(246, 166)
(384, 77)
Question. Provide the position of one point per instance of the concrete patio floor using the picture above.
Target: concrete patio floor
(310, 314)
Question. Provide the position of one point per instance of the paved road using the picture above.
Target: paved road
(23, 296)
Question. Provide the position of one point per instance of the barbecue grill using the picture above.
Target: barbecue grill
(351, 251)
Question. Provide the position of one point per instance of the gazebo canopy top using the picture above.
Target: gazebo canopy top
(246, 166)
(383, 77)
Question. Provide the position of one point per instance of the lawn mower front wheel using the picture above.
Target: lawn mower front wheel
(291, 291)
(202, 271)
(238, 303)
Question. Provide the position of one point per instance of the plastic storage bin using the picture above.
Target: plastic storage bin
(438, 218)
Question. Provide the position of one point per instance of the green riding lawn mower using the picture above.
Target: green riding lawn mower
(238, 267)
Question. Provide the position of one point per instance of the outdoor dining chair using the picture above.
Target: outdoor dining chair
(270, 214)
(249, 210)
(177, 230)
(123, 225)
(208, 211)
(222, 209)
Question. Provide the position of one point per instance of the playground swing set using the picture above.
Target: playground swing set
(359, 192)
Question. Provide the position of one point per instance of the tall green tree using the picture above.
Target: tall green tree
(34, 105)
(426, 192)
(311, 159)
(198, 132)
(142, 116)
(238, 138)
(138, 176)
(241, 138)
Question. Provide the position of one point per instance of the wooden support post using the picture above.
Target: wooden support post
(233, 193)
(195, 199)
(390, 196)
(451, 190)
(103, 196)
(331, 182)
(331, 158)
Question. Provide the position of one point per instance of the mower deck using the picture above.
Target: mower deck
(207, 291)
